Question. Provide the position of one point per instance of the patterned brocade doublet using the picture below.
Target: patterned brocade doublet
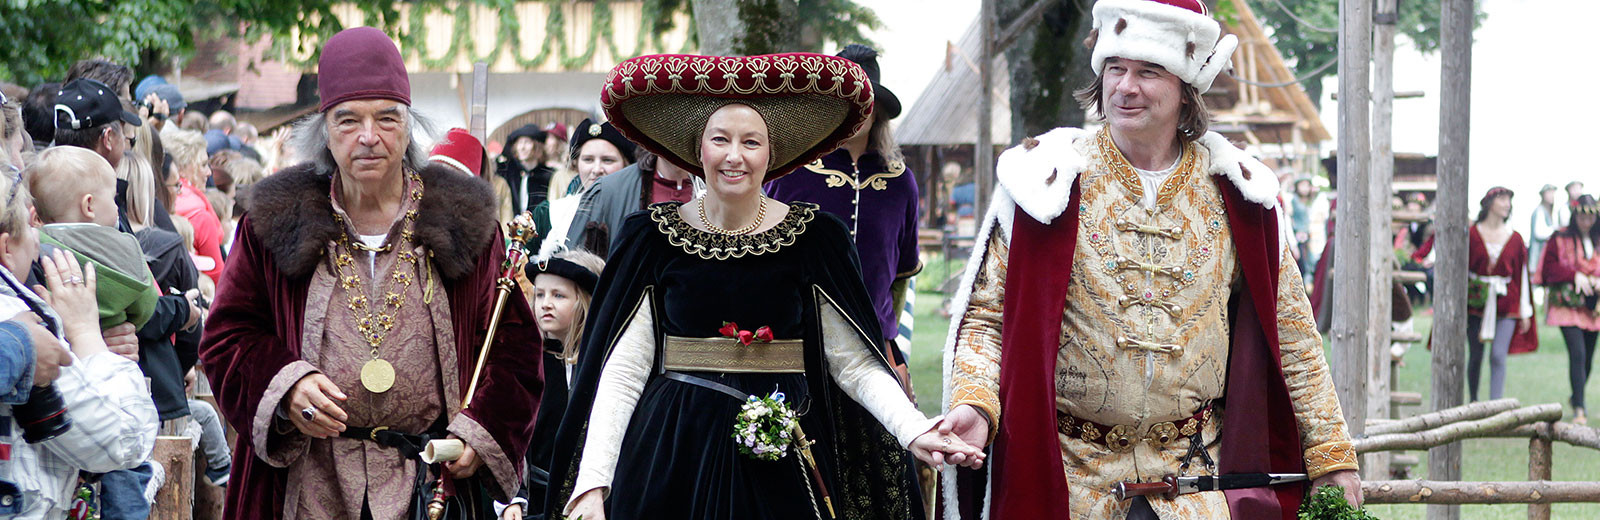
(1145, 339)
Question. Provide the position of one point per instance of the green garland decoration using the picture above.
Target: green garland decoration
(413, 33)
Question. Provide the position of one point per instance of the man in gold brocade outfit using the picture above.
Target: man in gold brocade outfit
(1149, 255)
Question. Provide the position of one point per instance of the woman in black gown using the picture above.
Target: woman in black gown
(649, 429)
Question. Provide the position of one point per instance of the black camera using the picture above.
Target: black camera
(44, 416)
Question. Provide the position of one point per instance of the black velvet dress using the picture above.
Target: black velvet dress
(552, 405)
(677, 458)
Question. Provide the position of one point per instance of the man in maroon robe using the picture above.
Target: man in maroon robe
(348, 321)
(1132, 311)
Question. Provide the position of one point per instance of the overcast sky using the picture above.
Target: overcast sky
(1535, 109)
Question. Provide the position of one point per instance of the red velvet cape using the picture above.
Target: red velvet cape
(1028, 477)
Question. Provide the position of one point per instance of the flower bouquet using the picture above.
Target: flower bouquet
(764, 429)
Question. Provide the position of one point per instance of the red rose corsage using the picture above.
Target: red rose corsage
(744, 337)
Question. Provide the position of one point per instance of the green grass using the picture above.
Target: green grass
(1538, 377)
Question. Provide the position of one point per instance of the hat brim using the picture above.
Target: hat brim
(795, 126)
(888, 104)
(130, 118)
(811, 103)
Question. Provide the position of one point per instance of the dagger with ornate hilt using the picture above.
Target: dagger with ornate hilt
(1172, 485)
(445, 450)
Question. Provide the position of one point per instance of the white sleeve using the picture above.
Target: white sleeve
(114, 420)
(852, 364)
(621, 382)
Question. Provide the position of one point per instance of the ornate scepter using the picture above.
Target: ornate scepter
(445, 450)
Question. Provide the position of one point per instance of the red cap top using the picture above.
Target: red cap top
(361, 63)
(1192, 5)
(460, 149)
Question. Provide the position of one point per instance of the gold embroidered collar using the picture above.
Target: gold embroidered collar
(836, 178)
(714, 246)
(1123, 172)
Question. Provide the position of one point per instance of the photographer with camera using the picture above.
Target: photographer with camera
(97, 416)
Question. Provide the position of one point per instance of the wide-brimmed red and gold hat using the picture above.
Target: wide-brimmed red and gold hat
(1585, 205)
(812, 103)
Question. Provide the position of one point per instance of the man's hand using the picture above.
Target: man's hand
(194, 310)
(1348, 479)
(466, 465)
(48, 354)
(318, 392)
(122, 340)
(967, 423)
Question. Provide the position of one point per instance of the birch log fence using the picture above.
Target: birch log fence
(1500, 418)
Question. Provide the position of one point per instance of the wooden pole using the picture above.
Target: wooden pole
(1440, 418)
(175, 499)
(1539, 459)
(1450, 234)
(478, 120)
(1485, 427)
(1350, 295)
(1581, 436)
(983, 155)
(1380, 253)
(1453, 492)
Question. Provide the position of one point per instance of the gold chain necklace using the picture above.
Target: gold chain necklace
(761, 216)
(375, 320)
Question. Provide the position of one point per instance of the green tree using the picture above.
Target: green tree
(45, 37)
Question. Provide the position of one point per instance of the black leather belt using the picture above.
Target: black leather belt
(705, 383)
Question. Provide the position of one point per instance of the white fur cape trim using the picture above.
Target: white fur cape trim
(1001, 211)
(1040, 179)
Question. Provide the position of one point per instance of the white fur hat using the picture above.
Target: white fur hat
(1179, 35)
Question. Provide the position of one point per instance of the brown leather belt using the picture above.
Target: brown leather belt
(1120, 438)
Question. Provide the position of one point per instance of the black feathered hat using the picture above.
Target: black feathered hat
(888, 105)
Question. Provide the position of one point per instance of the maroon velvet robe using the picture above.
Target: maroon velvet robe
(255, 327)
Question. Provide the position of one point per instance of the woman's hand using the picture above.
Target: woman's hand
(935, 448)
(512, 512)
(1523, 324)
(591, 505)
(69, 289)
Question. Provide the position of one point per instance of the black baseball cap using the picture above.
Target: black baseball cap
(85, 103)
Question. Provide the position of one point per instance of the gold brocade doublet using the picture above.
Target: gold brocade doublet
(1145, 338)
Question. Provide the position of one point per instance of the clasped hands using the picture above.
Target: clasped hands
(957, 439)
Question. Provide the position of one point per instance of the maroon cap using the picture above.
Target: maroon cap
(361, 63)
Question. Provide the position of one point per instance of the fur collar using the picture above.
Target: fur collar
(1039, 174)
(291, 212)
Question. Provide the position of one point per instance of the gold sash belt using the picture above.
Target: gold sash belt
(783, 356)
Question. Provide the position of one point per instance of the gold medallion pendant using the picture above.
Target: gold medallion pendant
(377, 376)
